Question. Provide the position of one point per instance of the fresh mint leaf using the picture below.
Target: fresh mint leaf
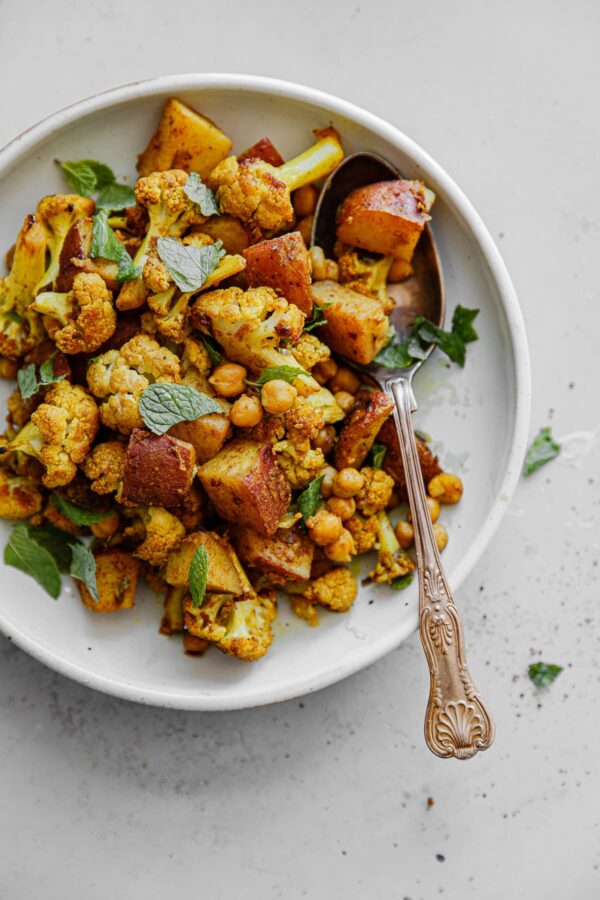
(25, 554)
(27, 381)
(47, 375)
(394, 356)
(198, 576)
(212, 348)
(198, 193)
(401, 354)
(106, 246)
(77, 514)
(12, 315)
(85, 176)
(542, 674)
(311, 499)
(318, 318)
(543, 449)
(449, 342)
(115, 197)
(57, 542)
(378, 452)
(402, 582)
(164, 405)
(189, 266)
(462, 323)
(282, 373)
(83, 567)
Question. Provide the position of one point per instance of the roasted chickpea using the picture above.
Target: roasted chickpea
(324, 528)
(441, 535)
(229, 379)
(332, 270)
(246, 412)
(325, 439)
(341, 550)
(434, 510)
(106, 527)
(317, 263)
(304, 200)
(278, 396)
(344, 400)
(8, 367)
(344, 380)
(445, 488)
(348, 482)
(405, 534)
(328, 474)
(325, 370)
(344, 507)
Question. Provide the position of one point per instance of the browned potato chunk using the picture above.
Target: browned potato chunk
(206, 434)
(159, 470)
(194, 646)
(361, 428)
(287, 556)
(357, 326)
(234, 235)
(282, 263)
(116, 577)
(392, 461)
(265, 150)
(172, 620)
(75, 258)
(222, 574)
(387, 217)
(247, 486)
(184, 139)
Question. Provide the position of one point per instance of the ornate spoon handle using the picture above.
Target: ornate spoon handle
(457, 721)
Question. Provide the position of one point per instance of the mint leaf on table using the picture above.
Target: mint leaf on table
(402, 581)
(199, 193)
(378, 452)
(115, 197)
(542, 674)
(198, 576)
(77, 514)
(189, 266)
(105, 245)
(281, 373)
(212, 348)
(164, 405)
(543, 449)
(83, 567)
(28, 381)
(311, 499)
(25, 554)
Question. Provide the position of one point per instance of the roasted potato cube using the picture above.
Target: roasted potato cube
(392, 461)
(357, 326)
(387, 217)
(206, 434)
(184, 139)
(264, 150)
(222, 574)
(287, 556)
(234, 235)
(194, 646)
(247, 486)
(159, 470)
(172, 620)
(75, 258)
(282, 263)
(361, 428)
(116, 576)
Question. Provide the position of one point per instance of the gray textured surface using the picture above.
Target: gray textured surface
(327, 797)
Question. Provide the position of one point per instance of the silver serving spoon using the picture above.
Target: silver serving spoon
(457, 721)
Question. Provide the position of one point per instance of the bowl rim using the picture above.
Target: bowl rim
(12, 152)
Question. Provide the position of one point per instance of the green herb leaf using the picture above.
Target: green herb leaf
(87, 175)
(83, 567)
(115, 197)
(27, 381)
(402, 582)
(283, 373)
(378, 452)
(78, 514)
(30, 557)
(47, 375)
(213, 349)
(57, 542)
(318, 318)
(395, 356)
(198, 576)
(202, 195)
(462, 323)
(164, 405)
(13, 316)
(401, 354)
(543, 449)
(310, 499)
(106, 246)
(542, 674)
(189, 266)
(450, 343)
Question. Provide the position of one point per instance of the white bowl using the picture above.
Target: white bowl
(479, 415)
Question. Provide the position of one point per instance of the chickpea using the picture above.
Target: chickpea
(325, 439)
(341, 550)
(434, 510)
(229, 379)
(332, 270)
(317, 262)
(405, 534)
(278, 396)
(8, 367)
(344, 507)
(325, 370)
(441, 535)
(348, 482)
(304, 226)
(344, 380)
(344, 400)
(329, 474)
(304, 200)
(324, 527)
(446, 488)
(106, 527)
(246, 412)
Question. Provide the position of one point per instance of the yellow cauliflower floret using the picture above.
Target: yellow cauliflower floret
(336, 590)
(300, 462)
(239, 628)
(105, 466)
(309, 350)
(163, 533)
(364, 532)
(60, 432)
(376, 491)
(86, 314)
(157, 277)
(19, 496)
(58, 213)
(366, 276)
(119, 377)
(252, 191)
(20, 328)
(392, 561)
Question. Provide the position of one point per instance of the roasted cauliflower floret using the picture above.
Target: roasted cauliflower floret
(366, 276)
(309, 350)
(58, 213)
(239, 628)
(376, 492)
(392, 561)
(336, 590)
(60, 432)
(163, 532)
(364, 532)
(19, 496)
(86, 314)
(21, 328)
(105, 467)
(119, 377)
(295, 456)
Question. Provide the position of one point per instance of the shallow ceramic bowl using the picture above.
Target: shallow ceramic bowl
(478, 416)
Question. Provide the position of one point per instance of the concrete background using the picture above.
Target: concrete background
(328, 796)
